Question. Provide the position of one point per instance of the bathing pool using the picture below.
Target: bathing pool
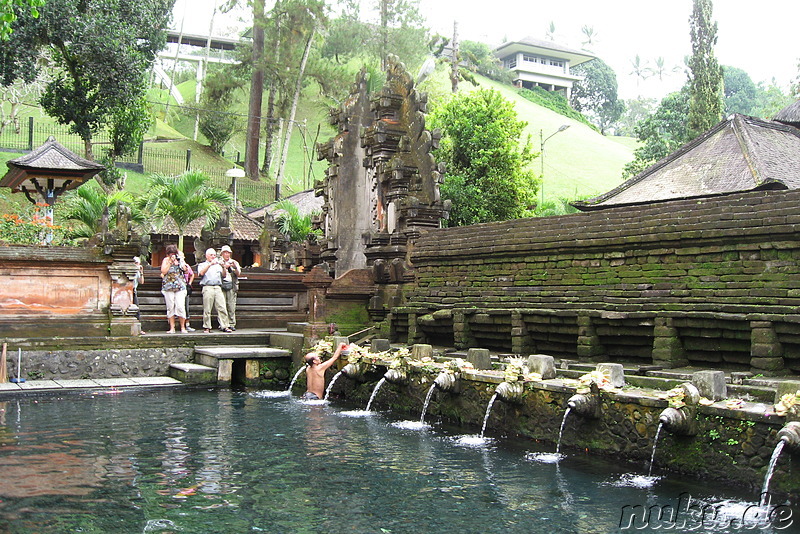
(181, 460)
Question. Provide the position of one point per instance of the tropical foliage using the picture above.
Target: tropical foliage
(292, 223)
(661, 133)
(488, 178)
(184, 199)
(88, 206)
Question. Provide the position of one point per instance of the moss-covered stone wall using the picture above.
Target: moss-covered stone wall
(712, 282)
(730, 446)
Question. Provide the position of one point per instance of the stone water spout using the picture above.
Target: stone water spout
(586, 404)
(510, 392)
(790, 434)
(683, 420)
(447, 381)
(680, 421)
(396, 376)
(355, 371)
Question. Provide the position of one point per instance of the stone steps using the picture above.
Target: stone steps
(211, 356)
(192, 373)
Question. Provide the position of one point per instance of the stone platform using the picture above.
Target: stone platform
(228, 360)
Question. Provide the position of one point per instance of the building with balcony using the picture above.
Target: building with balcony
(546, 64)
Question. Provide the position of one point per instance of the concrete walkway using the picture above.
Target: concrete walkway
(102, 383)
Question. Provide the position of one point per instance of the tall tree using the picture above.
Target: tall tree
(591, 37)
(218, 119)
(596, 94)
(705, 74)
(253, 137)
(488, 175)
(640, 69)
(402, 31)
(741, 93)
(8, 13)
(661, 133)
(551, 31)
(184, 199)
(102, 51)
(661, 69)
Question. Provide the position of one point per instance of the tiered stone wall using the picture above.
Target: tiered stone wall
(711, 282)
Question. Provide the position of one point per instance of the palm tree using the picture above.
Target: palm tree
(184, 199)
(291, 222)
(89, 206)
(661, 68)
(551, 31)
(591, 36)
(640, 69)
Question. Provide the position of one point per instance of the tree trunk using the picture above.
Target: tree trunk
(269, 134)
(384, 32)
(298, 87)
(454, 60)
(87, 149)
(256, 94)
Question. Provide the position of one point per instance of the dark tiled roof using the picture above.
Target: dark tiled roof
(739, 154)
(52, 161)
(790, 114)
(306, 201)
(244, 228)
(53, 155)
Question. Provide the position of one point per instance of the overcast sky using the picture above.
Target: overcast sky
(754, 36)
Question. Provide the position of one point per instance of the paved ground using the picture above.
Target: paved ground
(102, 383)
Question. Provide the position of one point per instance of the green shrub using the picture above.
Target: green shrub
(554, 102)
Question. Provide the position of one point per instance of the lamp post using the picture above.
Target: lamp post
(233, 174)
(542, 141)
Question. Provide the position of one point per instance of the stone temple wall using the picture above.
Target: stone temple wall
(729, 446)
(708, 282)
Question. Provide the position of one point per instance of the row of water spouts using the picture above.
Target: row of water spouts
(680, 421)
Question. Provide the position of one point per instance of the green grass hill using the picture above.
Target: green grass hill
(578, 162)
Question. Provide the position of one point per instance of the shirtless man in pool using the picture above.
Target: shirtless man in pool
(315, 373)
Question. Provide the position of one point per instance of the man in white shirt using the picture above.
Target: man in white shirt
(213, 271)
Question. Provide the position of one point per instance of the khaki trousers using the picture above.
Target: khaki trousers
(213, 297)
(230, 305)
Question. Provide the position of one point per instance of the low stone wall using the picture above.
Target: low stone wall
(713, 283)
(97, 363)
(731, 446)
(51, 292)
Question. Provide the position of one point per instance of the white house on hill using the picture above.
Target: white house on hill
(543, 63)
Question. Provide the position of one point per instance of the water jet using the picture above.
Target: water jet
(788, 436)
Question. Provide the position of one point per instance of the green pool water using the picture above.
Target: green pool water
(219, 461)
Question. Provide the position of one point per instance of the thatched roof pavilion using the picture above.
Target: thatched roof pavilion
(739, 154)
